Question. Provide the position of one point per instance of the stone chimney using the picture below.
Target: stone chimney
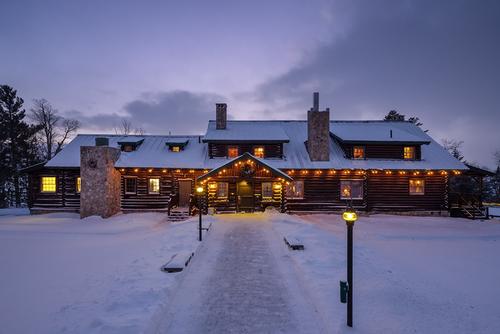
(318, 132)
(100, 192)
(220, 116)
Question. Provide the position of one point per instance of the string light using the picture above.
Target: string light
(136, 170)
(150, 170)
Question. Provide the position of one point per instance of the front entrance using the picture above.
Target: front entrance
(245, 196)
(185, 187)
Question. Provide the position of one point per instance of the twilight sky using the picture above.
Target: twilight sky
(163, 64)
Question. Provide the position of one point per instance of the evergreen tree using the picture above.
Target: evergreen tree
(18, 147)
(393, 115)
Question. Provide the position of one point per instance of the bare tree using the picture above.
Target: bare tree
(55, 130)
(454, 147)
(126, 128)
(69, 126)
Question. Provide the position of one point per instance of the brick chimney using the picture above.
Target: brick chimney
(220, 116)
(318, 132)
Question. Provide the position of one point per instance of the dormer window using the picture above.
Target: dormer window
(232, 151)
(358, 152)
(176, 144)
(409, 152)
(130, 143)
(258, 151)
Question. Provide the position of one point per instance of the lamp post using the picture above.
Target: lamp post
(199, 192)
(350, 218)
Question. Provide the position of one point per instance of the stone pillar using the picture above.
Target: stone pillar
(220, 116)
(100, 193)
(318, 135)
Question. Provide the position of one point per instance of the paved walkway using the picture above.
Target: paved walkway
(240, 281)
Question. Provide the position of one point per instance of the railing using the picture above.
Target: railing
(173, 202)
(469, 203)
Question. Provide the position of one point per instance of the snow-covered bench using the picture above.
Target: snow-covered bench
(178, 262)
(293, 243)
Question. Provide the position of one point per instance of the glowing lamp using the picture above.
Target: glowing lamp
(350, 216)
(199, 189)
(277, 186)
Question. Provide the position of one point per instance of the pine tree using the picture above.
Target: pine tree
(18, 147)
(393, 115)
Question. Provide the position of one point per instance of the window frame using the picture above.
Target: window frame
(225, 187)
(414, 193)
(413, 152)
(48, 191)
(294, 196)
(351, 181)
(125, 178)
(151, 192)
(78, 185)
(271, 190)
(232, 147)
(259, 147)
(363, 148)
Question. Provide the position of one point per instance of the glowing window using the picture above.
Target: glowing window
(417, 186)
(175, 148)
(78, 184)
(48, 184)
(351, 189)
(154, 185)
(127, 148)
(295, 190)
(267, 190)
(258, 152)
(409, 152)
(358, 152)
(130, 184)
(232, 151)
(222, 189)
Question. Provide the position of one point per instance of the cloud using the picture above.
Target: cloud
(178, 112)
(437, 60)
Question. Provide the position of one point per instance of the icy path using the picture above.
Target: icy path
(240, 281)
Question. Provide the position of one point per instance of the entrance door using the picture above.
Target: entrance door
(245, 196)
(184, 192)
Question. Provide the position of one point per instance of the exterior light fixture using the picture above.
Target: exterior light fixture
(350, 218)
(199, 192)
(136, 170)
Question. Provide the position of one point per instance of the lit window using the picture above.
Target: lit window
(78, 184)
(232, 151)
(154, 185)
(351, 189)
(130, 185)
(222, 189)
(127, 148)
(267, 190)
(417, 187)
(358, 152)
(409, 152)
(258, 152)
(295, 190)
(49, 184)
(175, 148)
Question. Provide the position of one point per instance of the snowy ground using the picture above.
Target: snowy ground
(60, 274)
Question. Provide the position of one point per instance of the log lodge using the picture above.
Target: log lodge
(313, 165)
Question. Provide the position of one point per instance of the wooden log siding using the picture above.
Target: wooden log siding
(220, 150)
(391, 193)
(66, 196)
(373, 151)
(169, 184)
(322, 193)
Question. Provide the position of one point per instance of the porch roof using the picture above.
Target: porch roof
(247, 156)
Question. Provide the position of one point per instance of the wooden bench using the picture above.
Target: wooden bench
(293, 243)
(178, 262)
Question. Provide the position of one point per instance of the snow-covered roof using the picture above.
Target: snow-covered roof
(154, 153)
(245, 131)
(377, 131)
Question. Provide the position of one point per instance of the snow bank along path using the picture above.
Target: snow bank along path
(240, 281)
